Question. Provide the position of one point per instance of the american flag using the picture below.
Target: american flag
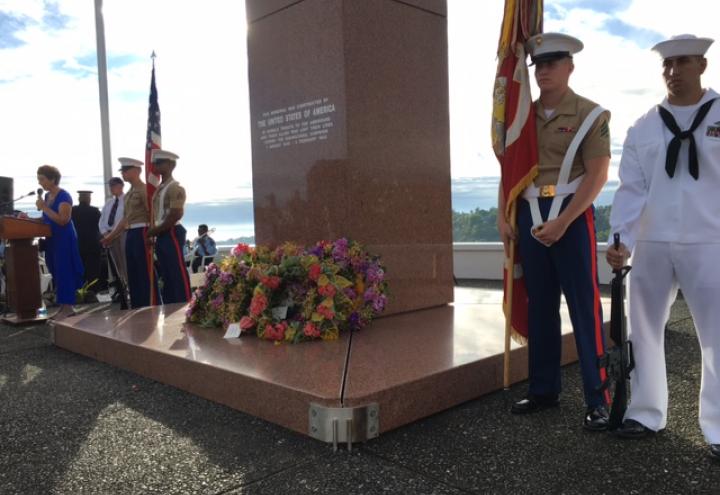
(153, 141)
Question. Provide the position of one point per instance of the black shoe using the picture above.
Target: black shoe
(715, 450)
(596, 419)
(633, 429)
(534, 403)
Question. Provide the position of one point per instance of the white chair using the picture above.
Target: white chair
(45, 276)
(197, 279)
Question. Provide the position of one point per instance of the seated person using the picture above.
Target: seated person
(203, 246)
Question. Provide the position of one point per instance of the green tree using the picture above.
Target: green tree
(480, 225)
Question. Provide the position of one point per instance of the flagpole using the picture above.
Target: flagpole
(151, 181)
(103, 90)
(510, 281)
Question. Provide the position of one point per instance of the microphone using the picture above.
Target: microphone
(39, 192)
(10, 202)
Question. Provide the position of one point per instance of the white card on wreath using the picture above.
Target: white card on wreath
(233, 331)
(279, 312)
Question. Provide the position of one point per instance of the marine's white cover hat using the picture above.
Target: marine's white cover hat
(683, 44)
(545, 47)
(158, 155)
(129, 162)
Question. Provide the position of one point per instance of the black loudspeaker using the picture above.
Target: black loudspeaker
(6, 195)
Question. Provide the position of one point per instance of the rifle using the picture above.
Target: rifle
(619, 360)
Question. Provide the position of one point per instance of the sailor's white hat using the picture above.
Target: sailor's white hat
(683, 44)
(129, 162)
(545, 47)
(158, 155)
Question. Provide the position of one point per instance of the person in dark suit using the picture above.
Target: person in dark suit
(86, 218)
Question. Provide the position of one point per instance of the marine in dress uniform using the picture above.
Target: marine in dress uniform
(86, 217)
(168, 205)
(135, 224)
(556, 231)
(668, 217)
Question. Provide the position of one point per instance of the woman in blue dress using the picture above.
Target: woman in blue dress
(62, 253)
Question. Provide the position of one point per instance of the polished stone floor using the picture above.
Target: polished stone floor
(70, 424)
(411, 365)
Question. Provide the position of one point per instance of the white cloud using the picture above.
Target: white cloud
(51, 116)
(202, 85)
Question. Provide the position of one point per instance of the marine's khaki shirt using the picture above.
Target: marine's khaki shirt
(136, 207)
(174, 197)
(557, 132)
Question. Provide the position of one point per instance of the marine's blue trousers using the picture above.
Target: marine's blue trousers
(175, 282)
(138, 256)
(570, 266)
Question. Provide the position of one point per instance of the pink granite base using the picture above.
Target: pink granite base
(423, 362)
(273, 382)
(413, 364)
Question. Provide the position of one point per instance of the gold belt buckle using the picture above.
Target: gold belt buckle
(547, 191)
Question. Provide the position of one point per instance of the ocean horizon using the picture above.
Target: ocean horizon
(232, 218)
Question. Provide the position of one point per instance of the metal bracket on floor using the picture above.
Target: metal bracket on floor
(344, 424)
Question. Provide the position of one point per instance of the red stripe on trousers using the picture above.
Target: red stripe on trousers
(181, 263)
(150, 267)
(599, 348)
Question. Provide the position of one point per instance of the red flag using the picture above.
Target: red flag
(153, 141)
(514, 137)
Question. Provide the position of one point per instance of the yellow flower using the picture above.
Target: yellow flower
(331, 334)
(342, 282)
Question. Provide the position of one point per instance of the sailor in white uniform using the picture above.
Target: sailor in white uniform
(667, 213)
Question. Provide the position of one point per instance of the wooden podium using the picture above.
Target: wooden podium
(21, 261)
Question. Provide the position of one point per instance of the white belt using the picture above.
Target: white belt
(557, 193)
(137, 225)
(551, 191)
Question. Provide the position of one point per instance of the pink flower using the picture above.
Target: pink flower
(258, 304)
(314, 272)
(325, 311)
(240, 249)
(246, 323)
(311, 330)
(326, 290)
(271, 282)
(276, 332)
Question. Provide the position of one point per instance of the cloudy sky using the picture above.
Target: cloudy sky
(49, 91)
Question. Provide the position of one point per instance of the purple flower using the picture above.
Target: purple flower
(218, 301)
(354, 321)
(349, 293)
(340, 249)
(243, 269)
(226, 278)
(316, 250)
(379, 303)
(374, 274)
(369, 294)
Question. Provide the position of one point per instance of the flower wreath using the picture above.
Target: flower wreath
(291, 293)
